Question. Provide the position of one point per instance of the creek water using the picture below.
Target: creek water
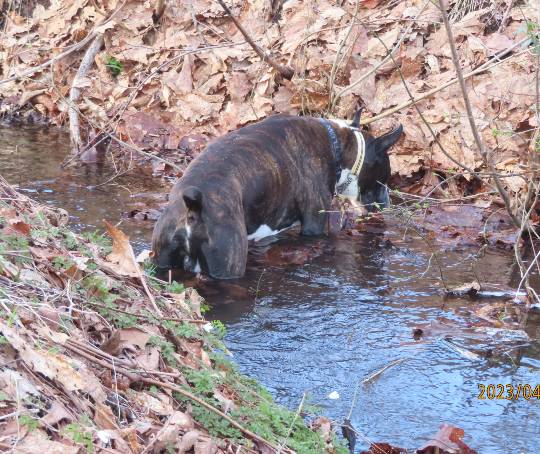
(325, 327)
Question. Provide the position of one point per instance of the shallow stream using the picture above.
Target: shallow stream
(326, 326)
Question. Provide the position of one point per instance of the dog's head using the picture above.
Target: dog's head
(199, 232)
(374, 170)
(180, 232)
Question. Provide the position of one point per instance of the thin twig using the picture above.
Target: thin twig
(173, 387)
(505, 16)
(286, 71)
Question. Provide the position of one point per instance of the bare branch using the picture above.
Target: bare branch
(286, 71)
(75, 92)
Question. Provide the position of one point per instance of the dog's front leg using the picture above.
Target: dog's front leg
(314, 213)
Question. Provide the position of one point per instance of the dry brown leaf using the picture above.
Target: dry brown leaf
(122, 256)
(447, 440)
(205, 445)
(131, 338)
(104, 417)
(187, 442)
(376, 49)
(38, 441)
(57, 413)
(69, 372)
(159, 404)
(15, 385)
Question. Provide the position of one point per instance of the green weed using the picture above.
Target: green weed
(29, 422)
(166, 348)
(113, 65)
(183, 329)
(79, 435)
(99, 239)
(62, 263)
(202, 380)
(175, 287)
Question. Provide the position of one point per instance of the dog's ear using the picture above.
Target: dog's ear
(193, 199)
(356, 119)
(385, 141)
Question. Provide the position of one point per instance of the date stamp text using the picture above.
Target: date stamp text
(508, 392)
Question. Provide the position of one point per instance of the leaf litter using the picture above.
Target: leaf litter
(164, 75)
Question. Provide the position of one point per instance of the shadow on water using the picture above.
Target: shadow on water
(321, 315)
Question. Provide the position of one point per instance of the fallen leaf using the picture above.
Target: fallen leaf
(122, 257)
(447, 441)
(131, 338)
(38, 441)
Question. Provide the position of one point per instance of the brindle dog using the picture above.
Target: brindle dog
(259, 180)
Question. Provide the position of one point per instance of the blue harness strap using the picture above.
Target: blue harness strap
(336, 145)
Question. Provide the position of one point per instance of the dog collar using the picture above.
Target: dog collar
(336, 145)
(361, 142)
(360, 154)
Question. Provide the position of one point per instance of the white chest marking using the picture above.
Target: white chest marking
(197, 268)
(188, 235)
(264, 230)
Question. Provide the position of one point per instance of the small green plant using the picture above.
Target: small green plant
(183, 329)
(109, 311)
(79, 435)
(150, 269)
(100, 239)
(495, 132)
(219, 328)
(113, 65)
(11, 318)
(215, 424)
(16, 242)
(175, 287)
(166, 348)
(45, 233)
(70, 241)
(202, 380)
(62, 263)
(205, 307)
(3, 340)
(29, 422)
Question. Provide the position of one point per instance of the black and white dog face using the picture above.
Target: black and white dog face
(370, 187)
(375, 173)
(180, 232)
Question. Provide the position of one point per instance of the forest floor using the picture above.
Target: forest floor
(155, 81)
